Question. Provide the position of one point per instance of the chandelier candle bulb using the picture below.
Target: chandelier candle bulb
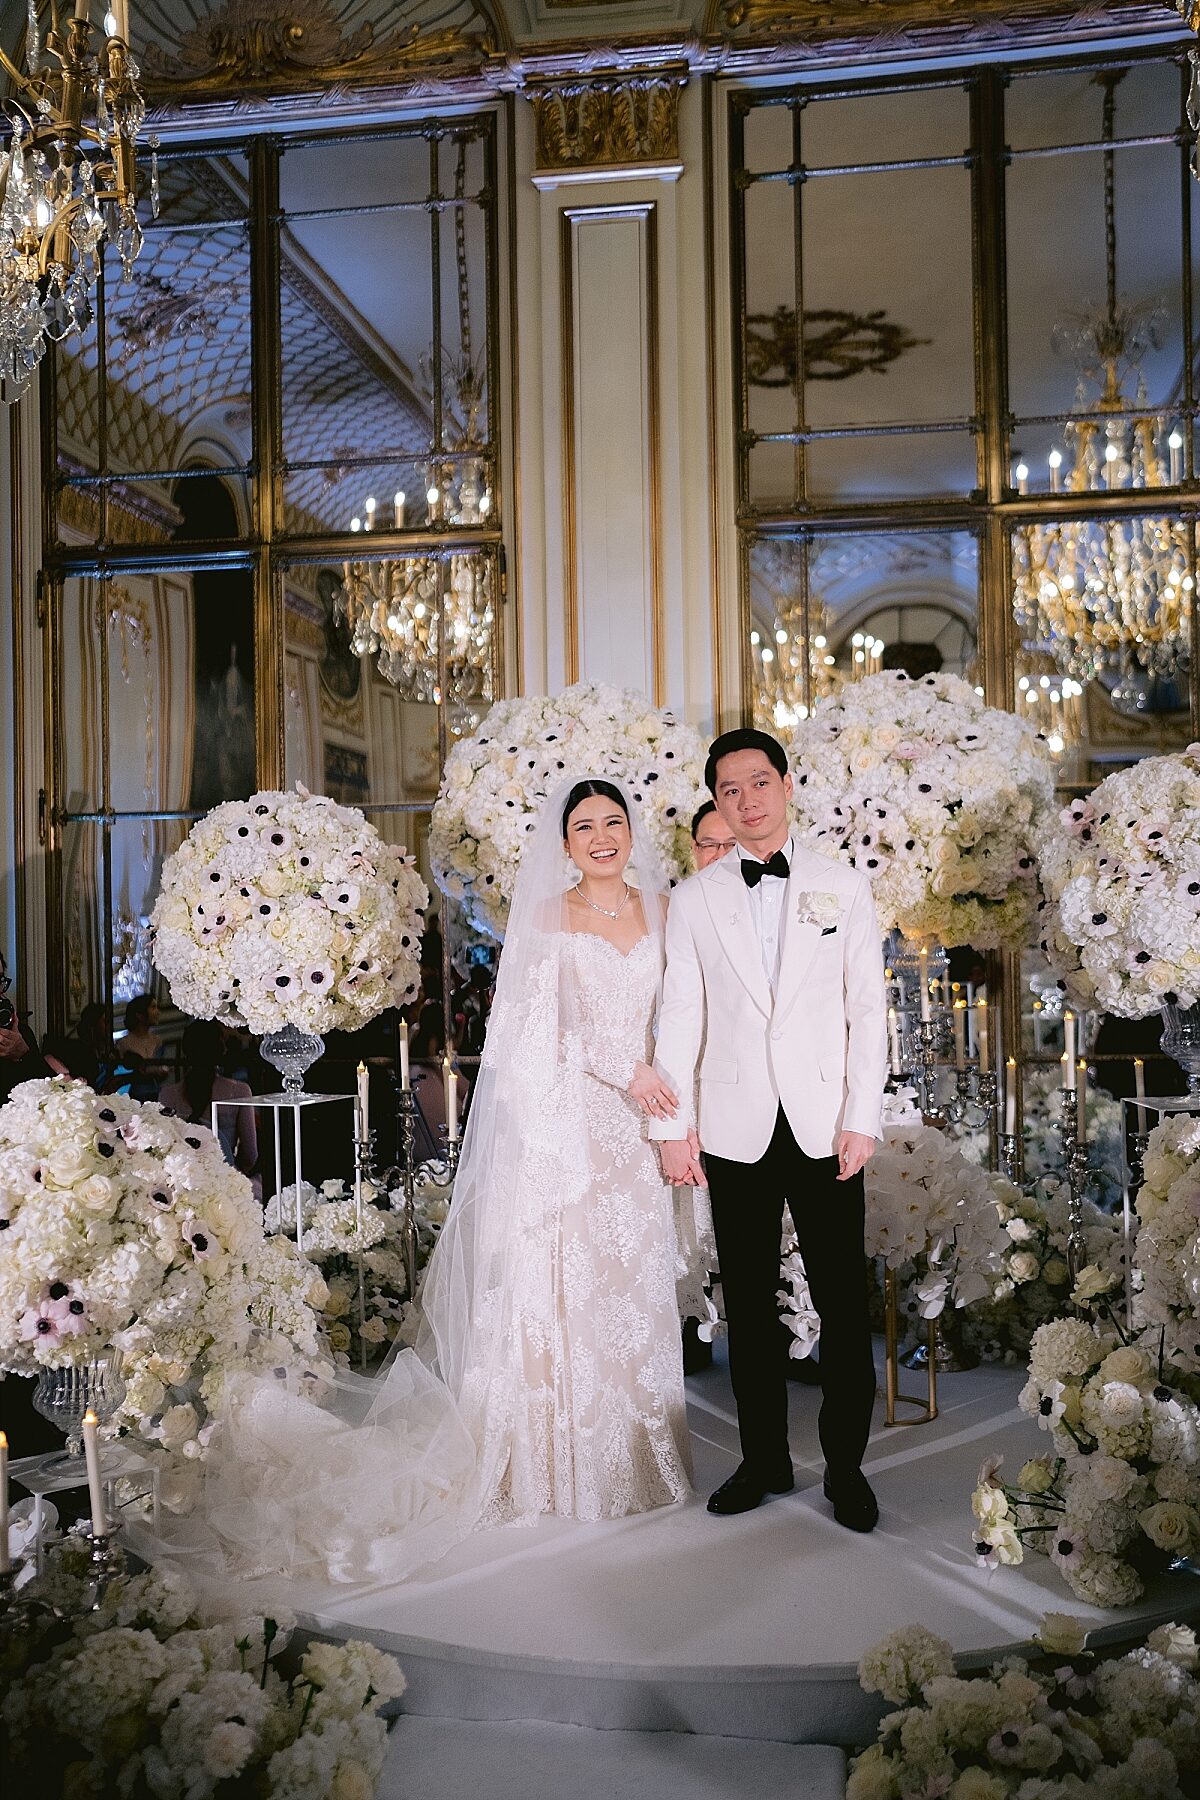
(398, 509)
(923, 977)
(369, 509)
(1055, 466)
(5, 1559)
(1069, 1036)
(451, 1099)
(894, 1039)
(1081, 1100)
(1175, 446)
(91, 1456)
(981, 1014)
(1139, 1078)
(1010, 1097)
(405, 1077)
(960, 1044)
(364, 1090)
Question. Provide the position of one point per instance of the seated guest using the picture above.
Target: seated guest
(20, 1058)
(202, 1082)
(87, 1052)
(711, 837)
(140, 1049)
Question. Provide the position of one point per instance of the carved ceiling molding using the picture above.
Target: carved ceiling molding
(616, 122)
(807, 31)
(265, 47)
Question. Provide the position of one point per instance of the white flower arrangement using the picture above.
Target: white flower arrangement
(288, 909)
(495, 782)
(1055, 1724)
(1168, 1239)
(938, 798)
(143, 1697)
(125, 1228)
(334, 1239)
(1034, 1280)
(1115, 1498)
(1121, 872)
(927, 1204)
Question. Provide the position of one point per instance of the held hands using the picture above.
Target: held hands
(855, 1150)
(652, 1094)
(681, 1161)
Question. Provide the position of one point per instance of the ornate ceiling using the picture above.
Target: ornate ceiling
(221, 59)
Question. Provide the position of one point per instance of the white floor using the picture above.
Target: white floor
(442, 1759)
(751, 1626)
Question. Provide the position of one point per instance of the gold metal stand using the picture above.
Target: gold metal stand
(926, 1409)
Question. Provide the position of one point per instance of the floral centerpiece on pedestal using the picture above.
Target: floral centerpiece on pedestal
(495, 782)
(937, 797)
(1122, 877)
(1168, 1240)
(335, 1237)
(143, 1696)
(288, 910)
(124, 1229)
(1059, 1724)
(1116, 1496)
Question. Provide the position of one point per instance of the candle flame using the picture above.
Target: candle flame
(3, 1440)
(89, 1417)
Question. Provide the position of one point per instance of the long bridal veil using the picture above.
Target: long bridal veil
(376, 1477)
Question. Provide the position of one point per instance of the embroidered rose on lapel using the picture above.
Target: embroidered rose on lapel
(822, 910)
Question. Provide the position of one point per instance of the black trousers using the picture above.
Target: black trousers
(747, 1204)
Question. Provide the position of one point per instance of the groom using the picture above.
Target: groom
(774, 986)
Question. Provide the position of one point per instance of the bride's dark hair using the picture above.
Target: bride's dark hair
(587, 790)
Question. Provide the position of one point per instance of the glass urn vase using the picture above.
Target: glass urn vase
(1181, 1041)
(293, 1052)
(65, 1394)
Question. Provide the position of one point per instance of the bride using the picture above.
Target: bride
(547, 1374)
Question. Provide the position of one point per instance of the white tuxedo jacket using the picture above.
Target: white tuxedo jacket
(820, 1048)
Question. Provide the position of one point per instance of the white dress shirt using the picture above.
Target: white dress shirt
(766, 909)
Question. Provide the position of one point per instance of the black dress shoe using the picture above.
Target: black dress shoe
(854, 1505)
(747, 1488)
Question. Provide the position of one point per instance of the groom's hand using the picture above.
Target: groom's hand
(681, 1161)
(855, 1150)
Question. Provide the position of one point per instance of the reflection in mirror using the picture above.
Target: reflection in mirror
(1103, 609)
(836, 607)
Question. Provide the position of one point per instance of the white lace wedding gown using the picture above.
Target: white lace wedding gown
(592, 1404)
(554, 1383)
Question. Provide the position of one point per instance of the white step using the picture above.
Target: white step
(452, 1759)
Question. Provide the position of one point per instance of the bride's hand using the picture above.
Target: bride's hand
(652, 1093)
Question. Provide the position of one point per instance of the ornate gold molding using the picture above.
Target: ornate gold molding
(613, 122)
(260, 46)
(852, 24)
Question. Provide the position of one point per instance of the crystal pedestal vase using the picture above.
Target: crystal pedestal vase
(1181, 1041)
(64, 1395)
(293, 1052)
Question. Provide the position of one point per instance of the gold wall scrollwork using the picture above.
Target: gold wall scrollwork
(295, 44)
(609, 122)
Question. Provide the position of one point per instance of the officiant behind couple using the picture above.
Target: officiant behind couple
(547, 1373)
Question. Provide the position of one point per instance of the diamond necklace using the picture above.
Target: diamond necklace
(608, 912)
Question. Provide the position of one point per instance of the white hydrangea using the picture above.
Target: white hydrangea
(495, 782)
(899, 1667)
(174, 1271)
(1121, 872)
(938, 798)
(288, 909)
(1168, 1239)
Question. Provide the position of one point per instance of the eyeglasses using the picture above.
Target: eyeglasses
(722, 844)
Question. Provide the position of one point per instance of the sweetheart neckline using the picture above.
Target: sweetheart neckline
(599, 938)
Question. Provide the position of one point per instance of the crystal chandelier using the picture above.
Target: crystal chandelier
(783, 692)
(395, 606)
(1109, 595)
(68, 180)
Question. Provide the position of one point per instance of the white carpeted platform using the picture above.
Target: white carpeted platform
(749, 1627)
(441, 1759)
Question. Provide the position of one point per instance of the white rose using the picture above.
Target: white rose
(1060, 1634)
(1024, 1266)
(1171, 1525)
(67, 1164)
(96, 1194)
(1177, 1643)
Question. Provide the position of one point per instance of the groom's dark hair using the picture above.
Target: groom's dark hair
(744, 738)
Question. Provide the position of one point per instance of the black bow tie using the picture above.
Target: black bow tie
(777, 865)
